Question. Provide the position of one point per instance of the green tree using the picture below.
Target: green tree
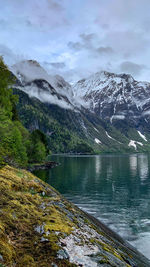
(83, 148)
(38, 148)
(7, 99)
(12, 146)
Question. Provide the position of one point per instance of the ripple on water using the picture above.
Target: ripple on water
(143, 244)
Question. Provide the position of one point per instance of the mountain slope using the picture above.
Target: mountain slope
(35, 81)
(56, 110)
(117, 98)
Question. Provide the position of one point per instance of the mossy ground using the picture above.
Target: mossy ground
(26, 204)
(38, 227)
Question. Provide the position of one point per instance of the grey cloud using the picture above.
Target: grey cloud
(38, 14)
(88, 40)
(76, 46)
(91, 46)
(105, 50)
(127, 42)
(85, 43)
(55, 5)
(133, 68)
(58, 65)
(88, 37)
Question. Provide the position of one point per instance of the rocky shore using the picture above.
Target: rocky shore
(38, 227)
(42, 166)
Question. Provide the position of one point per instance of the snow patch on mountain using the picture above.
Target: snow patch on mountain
(139, 143)
(134, 144)
(97, 141)
(142, 136)
(109, 136)
(96, 130)
(112, 138)
(117, 117)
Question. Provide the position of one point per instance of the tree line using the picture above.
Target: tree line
(17, 145)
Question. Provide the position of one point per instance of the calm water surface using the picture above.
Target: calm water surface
(113, 188)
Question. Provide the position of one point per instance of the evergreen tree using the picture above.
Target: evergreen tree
(38, 148)
(7, 99)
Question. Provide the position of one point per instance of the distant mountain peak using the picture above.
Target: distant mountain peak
(100, 80)
(116, 97)
(36, 82)
(33, 62)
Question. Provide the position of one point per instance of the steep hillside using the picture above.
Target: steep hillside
(73, 121)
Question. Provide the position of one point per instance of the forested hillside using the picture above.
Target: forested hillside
(17, 145)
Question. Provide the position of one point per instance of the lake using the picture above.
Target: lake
(114, 188)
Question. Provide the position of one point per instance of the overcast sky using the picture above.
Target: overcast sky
(75, 38)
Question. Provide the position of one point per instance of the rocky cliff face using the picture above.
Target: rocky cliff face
(117, 98)
(38, 227)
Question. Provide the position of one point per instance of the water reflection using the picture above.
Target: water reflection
(104, 186)
(97, 165)
(133, 164)
(143, 166)
(109, 172)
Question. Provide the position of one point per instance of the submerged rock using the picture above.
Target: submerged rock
(38, 227)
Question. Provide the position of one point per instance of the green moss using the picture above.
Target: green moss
(58, 222)
(33, 226)
(21, 212)
(28, 261)
(6, 250)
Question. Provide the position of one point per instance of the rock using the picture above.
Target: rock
(62, 254)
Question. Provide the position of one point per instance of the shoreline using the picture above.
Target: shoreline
(42, 166)
(40, 227)
(113, 235)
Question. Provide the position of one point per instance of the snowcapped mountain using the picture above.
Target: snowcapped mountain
(36, 82)
(109, 112)
(116, 97)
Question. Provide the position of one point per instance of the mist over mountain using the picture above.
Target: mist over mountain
(110, 112)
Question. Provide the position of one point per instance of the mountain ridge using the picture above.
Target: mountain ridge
(100, 116)
(116, 97)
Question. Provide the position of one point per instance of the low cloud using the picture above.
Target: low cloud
(58, 65)
(46, 97)
(9, 56)
(132, 68)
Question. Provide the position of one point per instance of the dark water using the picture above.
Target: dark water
(113, 188)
